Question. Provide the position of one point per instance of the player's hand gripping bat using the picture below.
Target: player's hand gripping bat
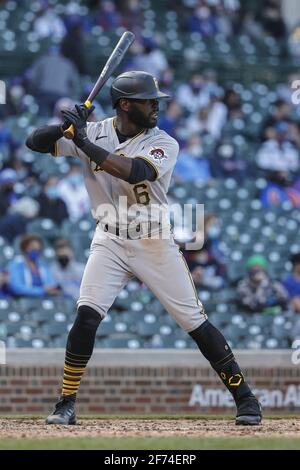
(113, 61)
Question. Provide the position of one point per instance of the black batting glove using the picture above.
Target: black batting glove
(66, 123)
(78, 118)
(84, 110)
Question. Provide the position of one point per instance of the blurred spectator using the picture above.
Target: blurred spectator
(4, 289)
(62, 103)
(226, 164)
(150, 59)
(280, 120)
(73, 192)
(4, 136)
(281, 114)
(292, 283)
(217, 113)
(192, 96)
(210, 85)
(169, 121)
(232, 101)
(203, 21)
(209, 119)
(198, 122)
(52, 205)
(132, 15)
(190, 165)
(107, 16)
(8, 178)
(48, 24)
(77, 55)
(257, 292)
(251, 26)
(21, 163)
(224, 21)
(166, 81)
(281, 188)
(272, 20)
(278, 153)
(207, 265)
(66, 271)
(52, 77)
(14, 222)
(29, 276)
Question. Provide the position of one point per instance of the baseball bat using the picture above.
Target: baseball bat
(113, 61)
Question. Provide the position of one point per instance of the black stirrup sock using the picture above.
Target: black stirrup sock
(80, 345)
(215, 349)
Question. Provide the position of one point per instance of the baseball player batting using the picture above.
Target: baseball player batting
(129, 156)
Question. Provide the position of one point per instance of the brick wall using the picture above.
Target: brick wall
(120, 382)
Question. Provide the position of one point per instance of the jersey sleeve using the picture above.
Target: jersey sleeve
(161, 154)
(66, 147)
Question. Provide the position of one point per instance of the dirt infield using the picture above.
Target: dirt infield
(35, 428)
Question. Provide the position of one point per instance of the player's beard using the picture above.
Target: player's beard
(140, 119)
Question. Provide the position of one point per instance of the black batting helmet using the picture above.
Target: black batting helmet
(135, 85)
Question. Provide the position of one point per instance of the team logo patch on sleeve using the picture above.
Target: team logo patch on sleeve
(158, 154)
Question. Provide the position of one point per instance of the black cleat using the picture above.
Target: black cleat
(248, 412)
(64, 412)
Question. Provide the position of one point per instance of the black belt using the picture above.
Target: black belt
(115, 230)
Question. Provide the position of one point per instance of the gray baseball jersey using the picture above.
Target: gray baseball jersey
(153, 145)
(114, 260)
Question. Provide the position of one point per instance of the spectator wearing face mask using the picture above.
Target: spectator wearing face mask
(278, 152)
(66, 270)
(29, 275)
(191, 164)
(52, 205)
(211, 118)
(203, 21)
(257, 292)
(73, 192)
(193, 96)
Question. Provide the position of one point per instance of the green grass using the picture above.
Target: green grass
(153, 443)
(176, 443)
